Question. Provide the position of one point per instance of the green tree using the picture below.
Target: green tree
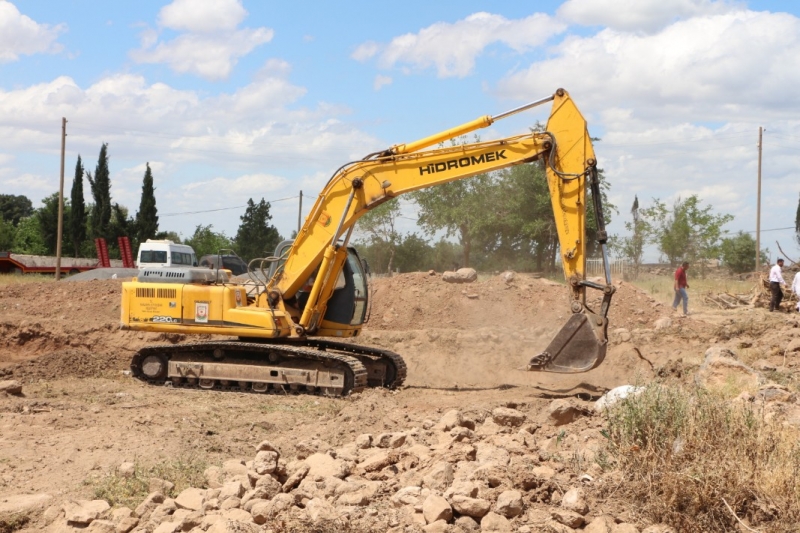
(631, 247)
(13, 208)
(7, 234)
(460, 209)
(101, 192)
(414, 254)
(48, 222)
(77, 216)
(737, 253)
(28, 238)
(256, 237)
(206, 241)
(686, 232)
(380, 226)
(169, 236)
(147, 217)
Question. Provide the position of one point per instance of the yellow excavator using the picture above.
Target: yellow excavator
(314, 288)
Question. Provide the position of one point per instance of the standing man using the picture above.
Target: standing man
(680, 288)
(776, 281)
(796, 288)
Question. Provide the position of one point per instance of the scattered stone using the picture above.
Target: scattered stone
(126, 470)
(575, 500)
(568, 518)
(266, 446)
(462, 275)
(391, 440)
(467, 524)
(561, 412)
(503, 416)
(101, 526)
(495, 523)
(231, 489)
(161, 485)
(792, 347)
(322, 464)
(296, 477)
(191, 499)
(439, 477)
(436, 508)
(509, 503)
(11, 387)
(150, 502)
(266, 462)
(601, 524)
(473, 507)
(213, 476)
(440, 526)
(449, 420)
(364, 441)
(773, 392)
(82, 512)
(234, 467)
(625, 528)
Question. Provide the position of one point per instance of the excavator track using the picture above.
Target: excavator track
(251, 367)
(384, 368)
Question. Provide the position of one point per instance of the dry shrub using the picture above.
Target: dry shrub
(682, 452)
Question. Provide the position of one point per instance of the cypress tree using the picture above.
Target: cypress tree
(101, 191)
(256, 237)
(147, 217)
(77, 216)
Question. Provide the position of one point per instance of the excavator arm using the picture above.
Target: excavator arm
(319, 249)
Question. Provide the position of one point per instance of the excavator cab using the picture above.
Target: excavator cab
(347, 309)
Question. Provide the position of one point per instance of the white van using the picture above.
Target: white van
(164, 253)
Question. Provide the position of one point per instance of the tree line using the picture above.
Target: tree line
(25, 230)
(496, 221)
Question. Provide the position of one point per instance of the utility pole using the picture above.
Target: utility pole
(300, 214)
(61, 199)
(758, 209)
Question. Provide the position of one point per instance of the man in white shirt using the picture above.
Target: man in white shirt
(796, 288)
(776, 281)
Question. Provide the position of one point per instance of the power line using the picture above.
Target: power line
(224, 208)
(773, 229)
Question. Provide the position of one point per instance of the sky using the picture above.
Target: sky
(235, 99)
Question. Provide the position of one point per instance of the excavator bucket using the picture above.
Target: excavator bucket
(579, 347)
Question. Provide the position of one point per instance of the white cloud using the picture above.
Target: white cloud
(638, 15)
(202, 16)
(712, 67)
(210, 57)
(21, 35)
(452, 48)
(211, 45)
(381, 80)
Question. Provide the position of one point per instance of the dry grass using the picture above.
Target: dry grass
(13, 523)
(684, 453)
(18, 279)
(661, 287)
(129, 491)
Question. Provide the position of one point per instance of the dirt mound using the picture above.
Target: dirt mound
(473, 335)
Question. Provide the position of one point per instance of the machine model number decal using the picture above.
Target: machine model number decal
(164, 319)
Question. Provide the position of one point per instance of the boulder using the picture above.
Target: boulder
(462, 275)
(575, 500)
(509, 503)
(436, 508)
(233, 467)
(615, 395)
(168, 527)
(150, 502)
(10, 387)
(82, 512)
(561, 412)
(191, 499)
(495, 523)
(467, 524)
(625, 528)
(406, 496)
(473, 507)
(126, 469)
(266, 462)
(440, 526)
(568, 518)
(601, 524)
(266, 446)
(101, 526)
(504, 416)
(439, 477)
(662, 323)
(364, 441)
(213, 476)
(391, 440)
(377, 461)
(322, 464)
(231, 489)
(318, 509)
(449, 420)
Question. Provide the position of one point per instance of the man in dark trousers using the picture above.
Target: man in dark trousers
(680, 287)
(776, 281)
